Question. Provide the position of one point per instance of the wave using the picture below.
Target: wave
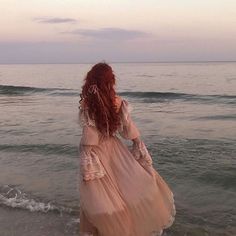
(145, 75)
(12, 196)
(165, 96)
(147, 97)
(172, 95)
(217, 117)
(25, 90)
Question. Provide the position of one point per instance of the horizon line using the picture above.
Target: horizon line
(120, 62)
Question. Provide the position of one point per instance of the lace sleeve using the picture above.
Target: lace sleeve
(84, 119)
(90, 135)
(90, 165)
(128, 128)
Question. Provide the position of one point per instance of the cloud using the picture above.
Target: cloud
(109, 33)
(54, 20)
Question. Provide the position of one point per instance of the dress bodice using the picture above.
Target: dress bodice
(90, 164)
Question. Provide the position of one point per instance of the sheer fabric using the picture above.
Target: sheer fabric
(120, 191)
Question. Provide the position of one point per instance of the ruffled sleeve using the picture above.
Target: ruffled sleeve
(90, 166)
(90, 134)
(128, 128)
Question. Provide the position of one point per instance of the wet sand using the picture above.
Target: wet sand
(18, 222)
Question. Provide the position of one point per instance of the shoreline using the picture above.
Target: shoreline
(19, 222)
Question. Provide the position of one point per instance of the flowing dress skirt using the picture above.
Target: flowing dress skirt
(130, 198)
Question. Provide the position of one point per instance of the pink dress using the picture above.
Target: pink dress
(121, 194)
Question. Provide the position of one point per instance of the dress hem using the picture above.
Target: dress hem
(154, 232)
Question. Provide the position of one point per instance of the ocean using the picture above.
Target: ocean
(186, 113)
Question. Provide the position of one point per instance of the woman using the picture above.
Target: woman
(121, 194)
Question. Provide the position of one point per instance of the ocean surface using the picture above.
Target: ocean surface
(186, 113)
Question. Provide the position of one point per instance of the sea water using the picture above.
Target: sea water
(186, 113)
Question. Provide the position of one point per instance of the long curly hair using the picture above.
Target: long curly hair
(101, 101)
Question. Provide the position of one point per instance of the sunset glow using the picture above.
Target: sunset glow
(81, 31)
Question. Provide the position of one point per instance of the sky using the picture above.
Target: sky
(85, 31)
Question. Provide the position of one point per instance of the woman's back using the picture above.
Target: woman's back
(118, 101)
(120, 191)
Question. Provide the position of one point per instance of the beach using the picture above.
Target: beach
(184, 111)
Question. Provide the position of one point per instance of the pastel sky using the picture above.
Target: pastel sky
(73, 31)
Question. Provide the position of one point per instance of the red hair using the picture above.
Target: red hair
(102, 105)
